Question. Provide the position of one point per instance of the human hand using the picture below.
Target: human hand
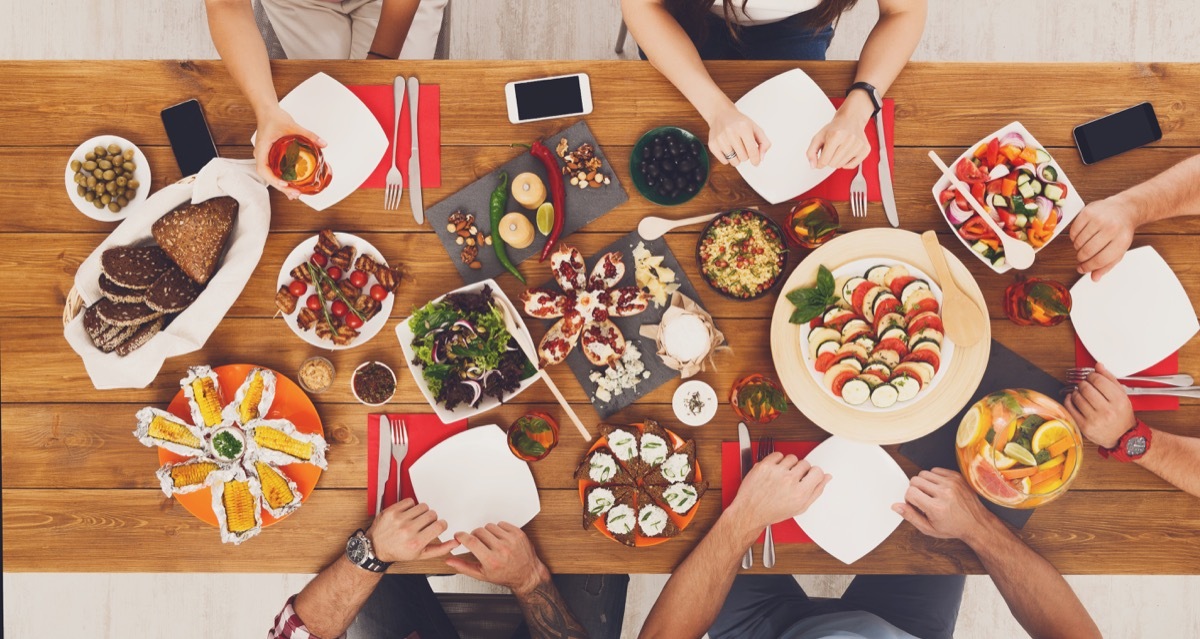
(777, 488)
(730, 132)
(1101, 234)
(1101, 408)
(271, 126)
(407, 531)
(940, 504)
(841, 144)
(503, 556)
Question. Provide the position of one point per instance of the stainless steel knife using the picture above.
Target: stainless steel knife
(885, 175)
(747, 457)
(414, 162)
(384, 455)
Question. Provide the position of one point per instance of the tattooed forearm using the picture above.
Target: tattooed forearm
(547, 615)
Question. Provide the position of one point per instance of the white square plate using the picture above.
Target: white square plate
(791, 109)
(1136, 315)
(854, 514)
(355, 141)
(472, 479)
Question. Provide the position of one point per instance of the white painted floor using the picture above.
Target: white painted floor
(200, 605)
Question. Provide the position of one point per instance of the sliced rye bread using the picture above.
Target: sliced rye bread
(134, 266)
(669, 530)
(194, 235)
(140, 336)
(656, 492)
(121, 294)
(126, 314)
(105, 336)
(630, 538)
(688, 450)
(621, 477)
(172, 292)
(620, 493)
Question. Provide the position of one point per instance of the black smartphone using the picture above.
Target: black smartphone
(190, 138)
(1117, 133)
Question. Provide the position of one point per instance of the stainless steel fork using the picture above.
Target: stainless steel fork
(395, 183)
(1076, 375)
(399, 450)
(766, 446)
(858, 194)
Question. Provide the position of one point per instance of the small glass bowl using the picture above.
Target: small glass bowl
(315, 361)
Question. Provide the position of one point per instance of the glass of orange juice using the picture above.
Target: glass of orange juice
(298, 161)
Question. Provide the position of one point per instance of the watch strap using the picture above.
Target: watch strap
(370, 561)
(1119, 451)
(871, 91)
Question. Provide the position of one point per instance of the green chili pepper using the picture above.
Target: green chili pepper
(496, 209)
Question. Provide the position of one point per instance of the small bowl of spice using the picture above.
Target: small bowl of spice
(228, 443)
(316, 374)
(373, 383)
(695, 403)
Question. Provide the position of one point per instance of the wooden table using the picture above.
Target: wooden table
(79, 492)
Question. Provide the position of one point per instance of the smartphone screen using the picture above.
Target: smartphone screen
(189, 135)
(1117, 133)
(548, 98)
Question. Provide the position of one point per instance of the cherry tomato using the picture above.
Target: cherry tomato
(353, 322)
(358, 278)
(379, 293)
(297, 288)
(339, 308)
(968, 172)
(313, 302)
(334, 272)
(318, 259)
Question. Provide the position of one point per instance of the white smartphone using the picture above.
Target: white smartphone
(548, 98)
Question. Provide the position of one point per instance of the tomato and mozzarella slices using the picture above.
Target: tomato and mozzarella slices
(882, 341)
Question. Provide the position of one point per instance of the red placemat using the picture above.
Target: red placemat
(837, 186)
(378, 98)
(784, 532)
(1168, 366)
(424, 432)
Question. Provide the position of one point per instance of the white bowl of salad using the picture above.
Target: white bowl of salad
(1019, 184)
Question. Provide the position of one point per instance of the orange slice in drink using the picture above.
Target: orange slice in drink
(1049, 433)
(306, 164)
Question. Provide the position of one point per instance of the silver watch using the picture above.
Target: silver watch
(360, 553)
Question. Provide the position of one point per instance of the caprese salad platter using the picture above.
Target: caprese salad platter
(879, 342)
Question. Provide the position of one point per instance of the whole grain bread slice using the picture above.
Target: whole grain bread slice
(119, 314)
(105, 336)
(118, 293)
(134, 266)
(172, 292)
(140, 336)
(194, 235)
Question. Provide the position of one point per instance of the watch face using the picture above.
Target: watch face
(356, 549)
(1135, 446)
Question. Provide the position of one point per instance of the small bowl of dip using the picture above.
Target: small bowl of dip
(228, 443)
(373, 383)
(316, 375)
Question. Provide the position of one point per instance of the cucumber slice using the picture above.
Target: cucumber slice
(849, 286)
(884, 396)
(1054, 192)
(906, 386)
(1042, 156)
(855, 392)
(876, 273)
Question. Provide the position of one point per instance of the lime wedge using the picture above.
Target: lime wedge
(1018, 452)
(545, 218)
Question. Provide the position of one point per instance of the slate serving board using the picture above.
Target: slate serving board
(1005, 369)
(630, 326)
(583, 205)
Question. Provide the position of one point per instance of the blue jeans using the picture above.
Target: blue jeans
(403, 604)
(764, 606)
(788, 39)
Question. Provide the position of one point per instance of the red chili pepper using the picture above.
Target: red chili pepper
(557, 195)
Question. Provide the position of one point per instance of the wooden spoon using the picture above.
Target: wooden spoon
(1017, 253)
(652, 228)
(962, 318)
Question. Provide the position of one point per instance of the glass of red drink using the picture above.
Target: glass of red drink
(298, 161)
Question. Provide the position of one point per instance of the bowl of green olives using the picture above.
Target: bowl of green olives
(669, 165)
(105, 176)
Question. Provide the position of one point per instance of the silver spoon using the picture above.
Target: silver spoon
(652, 228)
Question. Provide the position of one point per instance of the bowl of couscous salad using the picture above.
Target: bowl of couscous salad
(742, 254)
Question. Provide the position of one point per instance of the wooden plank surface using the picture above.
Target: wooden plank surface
(79, 488)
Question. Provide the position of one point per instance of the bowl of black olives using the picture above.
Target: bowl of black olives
(669, 165)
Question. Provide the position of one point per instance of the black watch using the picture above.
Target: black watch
(361, 554)
(871, 91)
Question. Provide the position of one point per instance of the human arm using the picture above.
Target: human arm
(1104, 414)
(504, 556)
(405, 531)
(940, 504)
(843, 142)
(240, 45)
(668, 47)
(777, 488)
(1104, 228)
(395, 19)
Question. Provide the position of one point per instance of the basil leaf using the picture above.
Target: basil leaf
(824, 281)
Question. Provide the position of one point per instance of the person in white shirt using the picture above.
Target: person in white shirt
(677, 35)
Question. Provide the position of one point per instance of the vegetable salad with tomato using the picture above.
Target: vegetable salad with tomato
(1019, 187)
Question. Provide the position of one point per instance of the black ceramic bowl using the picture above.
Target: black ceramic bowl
(732, 217)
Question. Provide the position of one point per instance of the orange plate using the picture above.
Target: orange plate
(682, 521)
(290, 403)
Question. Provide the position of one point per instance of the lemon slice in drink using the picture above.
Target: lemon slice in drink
(1018, 452)
(306, 163)
(971, 428)
(1048, 433)
(999, 460)
(545, 218)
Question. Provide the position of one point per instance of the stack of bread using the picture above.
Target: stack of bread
(144, 287)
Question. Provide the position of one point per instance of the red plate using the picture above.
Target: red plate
(290, 403)
(681, 521)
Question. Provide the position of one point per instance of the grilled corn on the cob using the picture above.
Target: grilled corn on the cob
(275, 439)
(172, 431)
(275, 488)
